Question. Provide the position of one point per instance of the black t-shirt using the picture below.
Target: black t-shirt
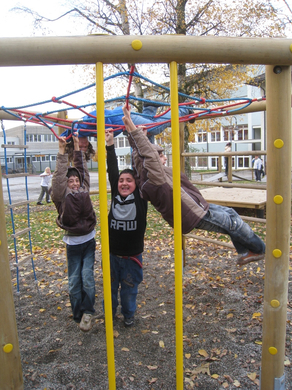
(127, 216)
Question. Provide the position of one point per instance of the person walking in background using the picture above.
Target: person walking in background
(45, 183)
(227, 149)
(258, 168)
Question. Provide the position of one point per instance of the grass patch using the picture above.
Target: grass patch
(47, 236)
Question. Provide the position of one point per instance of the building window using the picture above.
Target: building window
(215, 136)
(122, 161)
(202, 162)
(243, 162)
(121, 142)
(116, 143)
(127, 142)
(53, 158)
(49, 138)
(242, 134)
(228, 133)
(214, 162)
(202, 136)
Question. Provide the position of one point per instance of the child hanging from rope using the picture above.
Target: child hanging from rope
(156, 185)
(70, 194)
(127, 224)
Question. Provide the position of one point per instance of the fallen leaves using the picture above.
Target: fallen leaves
(202, 352)
(152, 368)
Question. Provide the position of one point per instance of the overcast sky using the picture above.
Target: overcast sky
(26, 85)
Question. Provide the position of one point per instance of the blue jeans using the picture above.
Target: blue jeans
(81, 278)
(147, 117)
(225, 220)
(129, 275)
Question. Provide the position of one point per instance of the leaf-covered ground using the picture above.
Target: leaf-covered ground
(222, 332)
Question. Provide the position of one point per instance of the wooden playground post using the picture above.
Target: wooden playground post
(278, 88)
(10, 364)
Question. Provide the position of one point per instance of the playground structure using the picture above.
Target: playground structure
(276, 54)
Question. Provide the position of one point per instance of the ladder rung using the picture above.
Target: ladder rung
(10, 175)
(11, 206)
(23, 259)
(7, 146)
(21, 232)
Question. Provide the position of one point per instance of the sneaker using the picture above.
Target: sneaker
(49, 201)
(40, 203)
(85, 324)
(129, 322)
(249, 257)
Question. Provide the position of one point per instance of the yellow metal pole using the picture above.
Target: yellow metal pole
(104, 225)
(278, 89)
(177, 224)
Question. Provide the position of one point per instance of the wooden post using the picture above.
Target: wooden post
(278, 88)
(10, 364)
(61, 115)
(229, 173)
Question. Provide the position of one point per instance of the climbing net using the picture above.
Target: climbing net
(194, 107)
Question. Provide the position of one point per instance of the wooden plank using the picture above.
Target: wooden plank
(8, 146)
(11, 175)
(235, 197)
(21, 232)
(25, 202)
(211, 240)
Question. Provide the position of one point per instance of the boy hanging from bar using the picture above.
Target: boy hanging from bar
(155, 182)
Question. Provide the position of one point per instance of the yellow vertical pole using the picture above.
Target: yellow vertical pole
(177, 224)
(278, 89)
(10, 364)
(104, 225)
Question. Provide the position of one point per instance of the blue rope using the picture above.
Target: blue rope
(50, 125)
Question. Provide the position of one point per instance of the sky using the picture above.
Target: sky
(27, 85)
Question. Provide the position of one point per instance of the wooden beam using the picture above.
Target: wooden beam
(143, 49)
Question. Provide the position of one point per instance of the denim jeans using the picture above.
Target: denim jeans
(225, 220)
(81, 278)
(147, 117)
(129, 275)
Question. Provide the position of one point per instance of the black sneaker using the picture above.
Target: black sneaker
(40, 203)
(49, 201)
(129, 322)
